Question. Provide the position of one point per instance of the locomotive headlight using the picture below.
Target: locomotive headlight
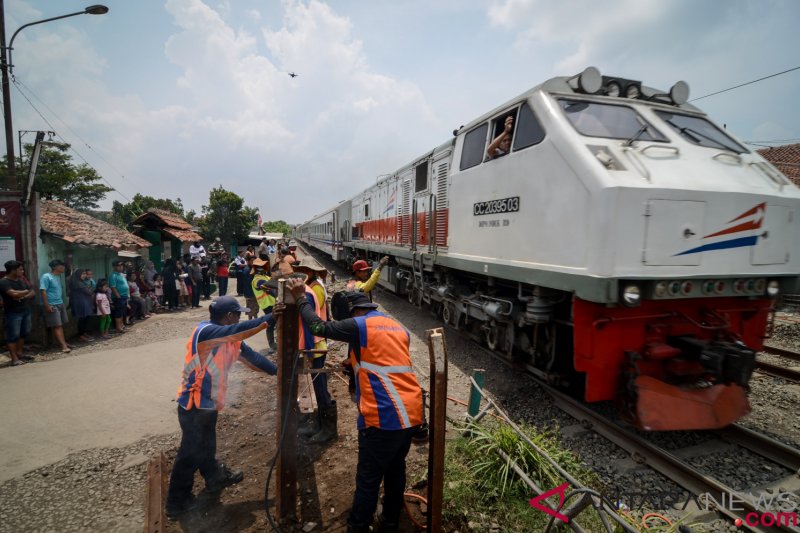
(661, 289)
(674, 288)
(739, 286)
(761, 284)
(773, 288)
(686, 287)
(632, 295)
(632, 91)
(613, 89)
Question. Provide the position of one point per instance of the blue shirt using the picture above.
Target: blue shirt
(51, 285)
(118, 281)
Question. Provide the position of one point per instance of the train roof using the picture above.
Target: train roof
(566, 85)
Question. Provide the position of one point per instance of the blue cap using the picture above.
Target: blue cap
(227, 304)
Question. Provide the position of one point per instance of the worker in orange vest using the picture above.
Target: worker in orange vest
(213, 347)
(388, 396)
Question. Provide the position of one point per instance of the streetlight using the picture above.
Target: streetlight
(6, 65)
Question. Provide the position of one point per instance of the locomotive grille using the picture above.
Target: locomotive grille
(403, 217)
(441, 205)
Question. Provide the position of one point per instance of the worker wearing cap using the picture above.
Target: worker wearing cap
(388, 397)
(362, 280)
(323, 427)
(265, 294)
(213, 347)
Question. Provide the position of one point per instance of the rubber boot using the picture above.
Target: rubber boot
(308, 424)
(329, 418)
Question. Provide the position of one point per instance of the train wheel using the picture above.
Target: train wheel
(447, 314)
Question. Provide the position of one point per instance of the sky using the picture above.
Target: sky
(171, 98)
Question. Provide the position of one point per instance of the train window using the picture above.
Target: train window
(529, 131)
(366, 210)
(474, 145)
(611, 121)
(422, 177)
(700, 131)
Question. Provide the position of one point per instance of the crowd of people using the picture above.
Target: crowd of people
(102, 307)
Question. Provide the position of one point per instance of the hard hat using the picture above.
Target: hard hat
(360, 265)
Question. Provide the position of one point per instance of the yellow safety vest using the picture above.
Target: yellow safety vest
(264, 298)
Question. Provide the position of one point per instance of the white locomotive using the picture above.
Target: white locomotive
(626, 245)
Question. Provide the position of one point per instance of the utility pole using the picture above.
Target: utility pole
(11, 173)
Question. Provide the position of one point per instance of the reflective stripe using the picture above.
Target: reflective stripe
(390, 388)
(216, 375)
(386, 369)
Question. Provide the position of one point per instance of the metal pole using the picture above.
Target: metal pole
(11, 172)
(437, 350)
(286, 469)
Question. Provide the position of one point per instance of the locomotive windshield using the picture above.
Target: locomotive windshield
(611, 121)
(700, 131)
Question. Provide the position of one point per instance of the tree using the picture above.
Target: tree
(226, 216)
(277, 226)
(58, 178)
(124, 214)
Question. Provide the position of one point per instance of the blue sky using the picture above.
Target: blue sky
(174, 97)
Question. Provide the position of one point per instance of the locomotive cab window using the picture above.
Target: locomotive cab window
(595, 119)
(474, 145)
(529, 130)
(699, 131)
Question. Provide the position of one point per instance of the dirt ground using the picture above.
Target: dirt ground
(246, 439)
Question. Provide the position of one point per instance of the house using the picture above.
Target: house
(168, 233)
(82, 242)
(786, 159)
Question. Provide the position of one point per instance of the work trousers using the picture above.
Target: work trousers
(198, 451)
(381, 456)
(223, 286)
(321, 384)
(239, 284)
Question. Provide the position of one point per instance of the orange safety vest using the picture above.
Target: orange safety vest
(388, 394)
(307, 340)
(204, 381)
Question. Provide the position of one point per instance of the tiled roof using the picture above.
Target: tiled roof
(786, 159)
(170, 219)
(79, 228)
(172, 224)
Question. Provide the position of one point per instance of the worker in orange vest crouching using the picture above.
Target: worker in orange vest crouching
(211, 350)
(388, 397)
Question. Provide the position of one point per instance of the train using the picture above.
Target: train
(626, 247)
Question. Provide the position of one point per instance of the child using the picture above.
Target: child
(103, 307)
(158, 282)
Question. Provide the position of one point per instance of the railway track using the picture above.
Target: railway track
(674, 464)
(791, 372)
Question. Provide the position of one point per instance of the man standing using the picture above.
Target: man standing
(324, 427)
(213, 347)
(388, 396)
(240, 263)
(120, 293)
(16, 292)
(196, 275)
(55, 314)
(362, 280)
(216, 249)
(263, 250)
(196, 250)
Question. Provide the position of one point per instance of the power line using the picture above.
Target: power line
(70, 129)
(743, 84)
(71, 147)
